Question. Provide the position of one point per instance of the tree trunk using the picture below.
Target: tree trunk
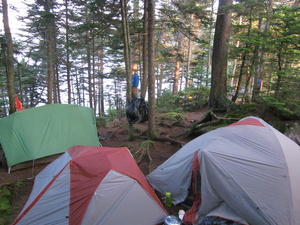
(101, 92)
(240, 78)
(279, 74)
(145, 52)
(127, 55)
(89, 69)
(188, 81)
(50, 51)
(68, 64)
(151, 72)
(218, 93)
(10, 59)
(258, 70)
(178, 65)
(208, 61)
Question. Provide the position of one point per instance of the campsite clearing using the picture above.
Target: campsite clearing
(114, 135)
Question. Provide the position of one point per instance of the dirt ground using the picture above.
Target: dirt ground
(116, 135)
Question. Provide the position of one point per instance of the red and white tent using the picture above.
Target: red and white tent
(247, 172)
(92, 185)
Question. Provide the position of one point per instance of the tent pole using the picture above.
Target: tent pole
(32, 169)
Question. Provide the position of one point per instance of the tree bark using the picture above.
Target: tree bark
(145, 51)
(10, 59)
(127, 55)
(218, 92)
(178, 65)
(151, 72)
(68, 64)
(50, 50)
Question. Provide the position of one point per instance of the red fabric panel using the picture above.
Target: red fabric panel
(190, 215)
(89, 167)
(248, 121)
(81, 150)
(87, 172)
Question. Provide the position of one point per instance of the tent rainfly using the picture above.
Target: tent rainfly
(38, 132)
(93, 186)
(247, 172)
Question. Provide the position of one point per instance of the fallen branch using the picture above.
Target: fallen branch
(168, 139)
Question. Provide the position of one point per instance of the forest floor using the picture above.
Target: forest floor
(115, 135)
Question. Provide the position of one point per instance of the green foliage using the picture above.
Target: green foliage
(282, 109)
(148, 144)
(7, 194)
(244, 110)
(170, 119)
(192, 99)
(5, 205)
(188, 100)
(268, 108)
(111, 113)
(101, 121)
(167, 102)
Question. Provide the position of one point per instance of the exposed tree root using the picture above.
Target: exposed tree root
(168, 139)
(144, 148)
(208, 120)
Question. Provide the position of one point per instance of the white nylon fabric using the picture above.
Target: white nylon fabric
(250, 170)
(117, 198)
(165, 179)
(64, 192)
(56, 198)
(46, 175)
(292, 156)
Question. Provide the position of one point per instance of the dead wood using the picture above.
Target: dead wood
(168, 139)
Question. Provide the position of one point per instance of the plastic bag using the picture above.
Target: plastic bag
(137, 111)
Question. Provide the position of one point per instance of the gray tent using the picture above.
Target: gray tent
(247, 172)
(93, 186)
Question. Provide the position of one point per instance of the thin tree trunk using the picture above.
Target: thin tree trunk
(279, 73)
(68, 64)
(50, 50)
(101, 93)
(10, 59)
(127, 55)
(145, 51)
(94, 78)
(263, 27)
(239, 81)
(208, 61)
(90, 90)
(151, 72)
(245, 54)
(188, 81)
(178, 65)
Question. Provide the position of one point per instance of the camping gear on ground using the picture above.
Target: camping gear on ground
(172, 220)
(247, 172)
(137, 111)
(168, 199)
(92, 185)
(213, 220)
(34, 133)
(181, 214)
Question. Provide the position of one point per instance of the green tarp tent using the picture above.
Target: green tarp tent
(46, 130)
